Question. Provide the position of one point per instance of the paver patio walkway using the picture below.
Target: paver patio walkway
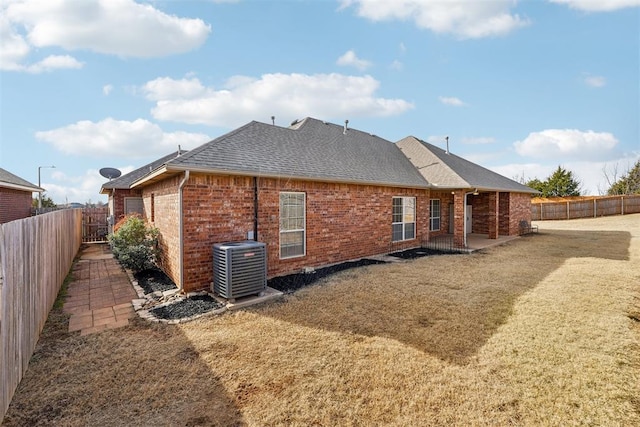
(99, 296)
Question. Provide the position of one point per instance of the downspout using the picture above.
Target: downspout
(255, 208)
(181, 227)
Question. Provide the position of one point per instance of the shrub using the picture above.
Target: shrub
(134, 243)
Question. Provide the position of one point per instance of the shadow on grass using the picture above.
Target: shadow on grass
(447, 306)
(142, 374)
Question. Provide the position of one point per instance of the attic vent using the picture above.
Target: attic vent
(346, 126)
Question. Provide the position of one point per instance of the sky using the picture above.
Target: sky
(519, 87)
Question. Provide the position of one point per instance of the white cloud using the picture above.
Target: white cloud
(287, 96)
(594, 81)
(598, 5)
(118, 27)
(54, 62)
(402, 48)
(465, 19)
(13, 47)
(107, 89)
(164, 88)
(396, 65)
(350, 59)
(68, 189)
(567, 144)
(118, 138)
(453, 101)
(478, 140)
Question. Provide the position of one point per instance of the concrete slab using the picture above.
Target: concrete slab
(269, 294)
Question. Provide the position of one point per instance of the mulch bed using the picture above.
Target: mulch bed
(153, 280)
(188, 307)
(293, 282)
(417, 253)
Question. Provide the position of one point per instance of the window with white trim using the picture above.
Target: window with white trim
(434, 214)
(403, 225)
(292, 225)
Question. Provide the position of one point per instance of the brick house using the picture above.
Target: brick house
(468, 198)
(123, 199)
(315, 193)
(15, 196)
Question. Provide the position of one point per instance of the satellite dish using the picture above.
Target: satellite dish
(110, 173)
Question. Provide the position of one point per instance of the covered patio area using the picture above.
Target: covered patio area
(475, 242)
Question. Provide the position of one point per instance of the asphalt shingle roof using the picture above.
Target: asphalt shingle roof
(125, 181)
(446, 170)
(9, 180)
(310, 149)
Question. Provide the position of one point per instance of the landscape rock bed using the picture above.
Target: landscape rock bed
(293, 282)
(187, 307)
(154, 280)
(418, 252)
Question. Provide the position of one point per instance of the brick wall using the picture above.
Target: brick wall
(343, 221)
(118, 201)
(166, 218)
(519, 210)
(512, 208)
(14, 204)
(503, 221)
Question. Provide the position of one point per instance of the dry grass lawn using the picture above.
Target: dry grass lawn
(544, 330)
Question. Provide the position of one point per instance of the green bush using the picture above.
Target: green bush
(135, 244)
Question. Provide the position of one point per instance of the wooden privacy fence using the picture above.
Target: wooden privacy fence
(587, 208)
(36, 254)
(94, 224)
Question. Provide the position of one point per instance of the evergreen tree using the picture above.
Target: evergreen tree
(560, 183)
(47, 202)
(628, 184)
(536, 184)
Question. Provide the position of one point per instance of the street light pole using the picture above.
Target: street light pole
(40, 193)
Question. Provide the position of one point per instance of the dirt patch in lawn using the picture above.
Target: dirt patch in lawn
(536, 332)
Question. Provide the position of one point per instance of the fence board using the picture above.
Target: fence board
(35, 256)
(598, 206)
(94, 224)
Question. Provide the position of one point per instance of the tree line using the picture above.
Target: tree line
(564, 183)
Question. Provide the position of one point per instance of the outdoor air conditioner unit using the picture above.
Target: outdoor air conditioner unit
(239, 269)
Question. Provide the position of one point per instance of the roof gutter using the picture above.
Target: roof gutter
(248, 173)
(181, 227)
(21, 187)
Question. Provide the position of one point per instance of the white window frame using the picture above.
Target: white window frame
(408, 219)
(433, 218)
(285, 227)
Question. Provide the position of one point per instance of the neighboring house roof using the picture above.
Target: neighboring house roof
(309, 150)
(446, 170)
(9, 180)
(124, 182)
